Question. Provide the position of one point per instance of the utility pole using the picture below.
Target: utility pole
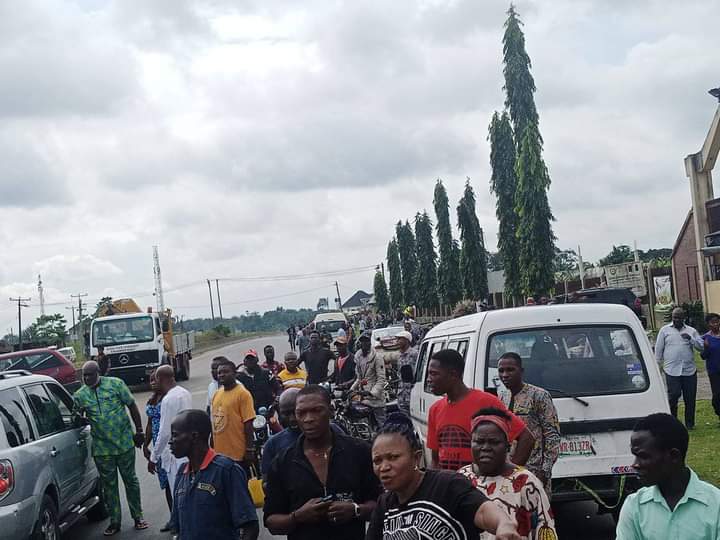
(581, 269)
(80, 296)
(73, 318)
(217, 286)
(41, 292)
(159, 298)
(20, 302)
(212, 309)
(339, 301)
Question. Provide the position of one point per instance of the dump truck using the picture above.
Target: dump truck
(137, 342)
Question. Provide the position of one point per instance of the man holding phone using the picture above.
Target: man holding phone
(323, 486)
(674, 350)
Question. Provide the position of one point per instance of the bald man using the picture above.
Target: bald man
(175, 399)
(112, 440)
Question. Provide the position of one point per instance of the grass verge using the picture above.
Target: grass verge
(704, 441)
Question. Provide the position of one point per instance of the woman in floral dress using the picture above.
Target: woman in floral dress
(152, 411)
(518, 491)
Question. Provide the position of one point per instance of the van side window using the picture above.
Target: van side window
(434, 347)
(45, 411)
(460, 346)
(14, 418)
(422, 360)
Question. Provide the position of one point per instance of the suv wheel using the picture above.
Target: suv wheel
(46, 527)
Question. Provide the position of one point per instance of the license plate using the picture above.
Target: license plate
(577, 445)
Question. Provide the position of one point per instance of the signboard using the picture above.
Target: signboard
(628, 275)
(663, 290)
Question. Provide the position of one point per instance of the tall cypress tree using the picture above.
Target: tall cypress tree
(473, 257)
(503, 183)
(382, 300)
(408, 261)
(536, 242)
(426, 278)
(449, 281)
(396, 288)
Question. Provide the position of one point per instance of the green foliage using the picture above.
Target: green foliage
(426, 276)
(382, 299)
(536, 241)
(464, 307)
(519, 84)
(503, 183)
(408, 261)
(619, 254)
(566, 261)
(695, 315)
(624, 253)
(46, 330)
(104, 301)
(222, 330)
(270, 321)
(396, 285)
(449, 281)
(494, 261)
(473, 257)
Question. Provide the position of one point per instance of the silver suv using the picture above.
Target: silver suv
(48, 478)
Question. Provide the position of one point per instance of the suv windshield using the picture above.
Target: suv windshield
(329, 326)
(580, 360)
(119, 331)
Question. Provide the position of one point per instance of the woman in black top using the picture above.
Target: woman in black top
(429, 504)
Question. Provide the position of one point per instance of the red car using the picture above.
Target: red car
(43, 362)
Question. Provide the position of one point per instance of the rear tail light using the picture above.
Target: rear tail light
(638, 304)
(7, 478)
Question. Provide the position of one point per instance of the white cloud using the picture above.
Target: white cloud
(265, 138)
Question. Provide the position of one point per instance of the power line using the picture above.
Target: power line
(238, 302)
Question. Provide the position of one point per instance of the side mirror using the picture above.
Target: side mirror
(80, 421)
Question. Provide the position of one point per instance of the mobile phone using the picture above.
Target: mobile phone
(327, 498)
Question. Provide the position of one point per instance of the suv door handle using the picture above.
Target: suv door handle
(54, 452)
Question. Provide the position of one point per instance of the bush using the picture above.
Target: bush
(222, 330)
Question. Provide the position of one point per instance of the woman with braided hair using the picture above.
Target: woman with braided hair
(426, 504)
(514, 488)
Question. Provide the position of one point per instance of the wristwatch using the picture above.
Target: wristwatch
(357, 509)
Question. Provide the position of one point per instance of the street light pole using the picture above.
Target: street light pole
(20, 304)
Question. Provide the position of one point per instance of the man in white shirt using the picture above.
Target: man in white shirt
(213, 386)
(674, 349)
(175, 399)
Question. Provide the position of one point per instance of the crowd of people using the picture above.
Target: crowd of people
(491, 457)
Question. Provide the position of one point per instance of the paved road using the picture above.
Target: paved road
(574, 520)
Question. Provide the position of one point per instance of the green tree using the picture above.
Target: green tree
(566, 261)
(449, 281)
(382, 299)
(426, 276)
(396, 286)
(519, 83)
(618, 255)
(408, 261)
(503, 183)
(494, 261)
(473, 257)
(47, 329)
(536, 241)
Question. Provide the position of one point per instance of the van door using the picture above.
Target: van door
(421, 399)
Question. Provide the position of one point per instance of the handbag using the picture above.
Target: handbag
(255, 487)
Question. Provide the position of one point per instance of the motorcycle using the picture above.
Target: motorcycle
(353, 416)
(262, 428)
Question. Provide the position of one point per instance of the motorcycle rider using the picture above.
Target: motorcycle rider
(344, 374)
(370, 373)
(258, 381)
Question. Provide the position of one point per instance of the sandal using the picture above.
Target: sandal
(141, 524)
(112, 530)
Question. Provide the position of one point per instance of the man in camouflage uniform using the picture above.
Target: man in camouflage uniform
(406, 366)
(102, 400)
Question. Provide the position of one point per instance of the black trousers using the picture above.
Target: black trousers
(685, 385)
(715, 387)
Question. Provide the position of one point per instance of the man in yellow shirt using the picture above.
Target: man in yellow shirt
(233, 413)
(292, 376)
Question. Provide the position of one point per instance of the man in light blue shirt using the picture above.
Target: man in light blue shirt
(674, 349)
(675, 504)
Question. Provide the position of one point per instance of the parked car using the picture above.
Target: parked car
(384, 338)
(607, 295)
(48, 479)
(596, 362)
(43, 362)
(69, 353)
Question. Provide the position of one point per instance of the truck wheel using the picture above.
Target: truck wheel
(182, 368)
(46, 526)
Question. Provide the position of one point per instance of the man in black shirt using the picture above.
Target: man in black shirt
(344, 374)
(258, 381)
(323, 486)
(316, 360)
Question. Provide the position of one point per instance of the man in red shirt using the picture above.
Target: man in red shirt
(449, 419)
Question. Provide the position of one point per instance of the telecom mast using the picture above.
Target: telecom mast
(158, 281)
(42, 296)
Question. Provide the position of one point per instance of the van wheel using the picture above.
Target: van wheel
(97, 512)
(46, 527)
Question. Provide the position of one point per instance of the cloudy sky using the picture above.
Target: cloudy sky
(260, 138)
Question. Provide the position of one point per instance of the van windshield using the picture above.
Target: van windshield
(329, 326)
(579, 360)
(120, 331)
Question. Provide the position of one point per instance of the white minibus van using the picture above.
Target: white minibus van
(594, 359)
